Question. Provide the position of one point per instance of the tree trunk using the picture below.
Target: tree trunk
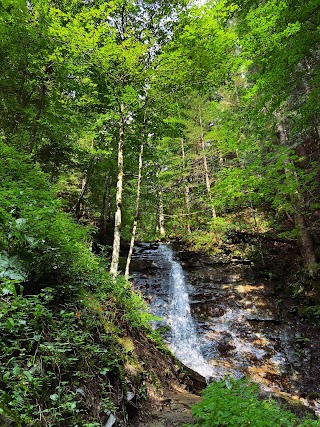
(105, 209)
(118, 214)
(306, 244)
(161, 216)
(135, 222)
(205, 166)
(186, 187)
(40, 106)
(22, 99)
(85, 183)
(305, 241)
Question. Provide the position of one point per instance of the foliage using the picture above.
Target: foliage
(236, 403)
(50, 356)
(272, 62)
(38, 241)
(62, 354)
(61, 314)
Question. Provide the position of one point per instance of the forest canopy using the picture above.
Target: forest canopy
(197, 113)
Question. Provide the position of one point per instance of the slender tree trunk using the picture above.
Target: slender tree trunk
(205, 165)
(161, 216)
(135, 222)
(35, 122)
(237, 92)
(40, 106)
(85, 183)
(105, 208)
(186, 187)
(118, 214)
(22, 101)
(305, 241)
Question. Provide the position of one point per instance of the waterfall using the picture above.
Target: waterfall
(183, 340)
(233, 327)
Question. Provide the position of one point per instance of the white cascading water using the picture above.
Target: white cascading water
(184, 342)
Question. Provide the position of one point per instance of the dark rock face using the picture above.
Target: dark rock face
(241, 328)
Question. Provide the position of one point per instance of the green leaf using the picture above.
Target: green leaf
(54, 397)
(6, 376)
(16, 370)
(10, 323)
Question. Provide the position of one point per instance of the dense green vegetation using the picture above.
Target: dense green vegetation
(251, 139)
(222, 99)
(168, 118)
(236, 403)
(64, 321)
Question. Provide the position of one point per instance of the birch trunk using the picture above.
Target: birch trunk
(135, 222)
(118, 213)
(161, 216)
(305, 241)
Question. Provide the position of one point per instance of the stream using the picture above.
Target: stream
(220, 320)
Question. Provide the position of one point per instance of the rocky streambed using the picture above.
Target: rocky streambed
(243, 324)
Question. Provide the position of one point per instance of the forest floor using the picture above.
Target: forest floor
(176, 389)
(173, 410)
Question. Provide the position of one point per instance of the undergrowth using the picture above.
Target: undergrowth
(236, 403)
(62, 362)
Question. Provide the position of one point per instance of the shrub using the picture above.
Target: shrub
(53, 357)
(38, 242)
(236, 403)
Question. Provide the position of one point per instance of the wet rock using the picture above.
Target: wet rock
(241, 261)
(225, 345)
(174, 410)
(191, 264)
(143, 246)
(204, 311)
(259, 308)
(143, 264)
(295, 354)
(197, 382)
(261, 315)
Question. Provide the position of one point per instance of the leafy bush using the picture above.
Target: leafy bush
(233, 402)
(38, 241)
(53, 360)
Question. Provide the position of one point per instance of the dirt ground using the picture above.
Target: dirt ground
(174, 410)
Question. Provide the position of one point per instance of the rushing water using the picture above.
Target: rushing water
(183, 339)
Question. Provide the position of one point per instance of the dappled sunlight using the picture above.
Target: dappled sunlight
(247, 288)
